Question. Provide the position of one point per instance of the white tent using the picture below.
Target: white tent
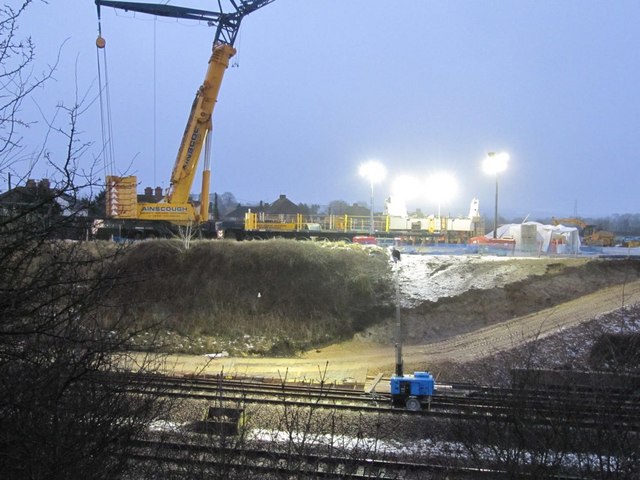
(539, 238)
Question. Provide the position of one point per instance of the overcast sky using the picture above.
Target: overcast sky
(422, 86)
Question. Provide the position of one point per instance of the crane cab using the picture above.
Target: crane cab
(412, 392)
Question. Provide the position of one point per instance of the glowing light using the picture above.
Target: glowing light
(406, 187)
(441, 187)
(373, 171)
(495, 163)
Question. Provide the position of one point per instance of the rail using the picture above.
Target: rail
(534, 408)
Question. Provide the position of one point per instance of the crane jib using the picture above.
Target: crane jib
(163, 10)
(178, 208)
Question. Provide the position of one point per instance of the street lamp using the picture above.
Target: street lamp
(374, 172)
(441, 187)
(404, 188)
(494, 164)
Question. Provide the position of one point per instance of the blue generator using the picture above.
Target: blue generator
(412, 392)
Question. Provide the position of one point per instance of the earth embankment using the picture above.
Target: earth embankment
(545, 297)
(357, 359)
(538, 285)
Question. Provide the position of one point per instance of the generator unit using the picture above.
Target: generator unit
(412, 391)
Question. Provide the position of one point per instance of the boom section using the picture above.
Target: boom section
(162, 10)
(198, 125)
(227, 24)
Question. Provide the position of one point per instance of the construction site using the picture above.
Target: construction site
(147, 335)
(176, 210)
(458, 312)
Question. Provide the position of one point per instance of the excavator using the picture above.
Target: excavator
(591, 234)
(175, 207)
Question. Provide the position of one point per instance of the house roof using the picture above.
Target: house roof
(240, 211)
(283, 206)
(35, 194)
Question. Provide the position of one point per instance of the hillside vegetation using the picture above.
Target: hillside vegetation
(273, 296)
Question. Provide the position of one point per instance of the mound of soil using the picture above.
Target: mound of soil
(468, 351)
(446, 317)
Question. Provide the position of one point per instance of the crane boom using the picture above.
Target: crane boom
(198, 125)
(175, 207)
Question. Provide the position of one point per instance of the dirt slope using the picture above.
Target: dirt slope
(472, 325)
(562, 281)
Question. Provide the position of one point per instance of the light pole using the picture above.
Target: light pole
(441, 187)
(494, 164)
(374, 172)
(399, 362)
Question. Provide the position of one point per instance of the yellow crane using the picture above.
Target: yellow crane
(175, 207)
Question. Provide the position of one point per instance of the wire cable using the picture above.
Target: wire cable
(155, 102)
(105, 105)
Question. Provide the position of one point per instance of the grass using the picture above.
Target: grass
(296, 295)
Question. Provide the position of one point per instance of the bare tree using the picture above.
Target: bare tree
(63, 414)
(17, 81)
(553, 422)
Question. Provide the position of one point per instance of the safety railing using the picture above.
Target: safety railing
(298, 223)
(258, 221)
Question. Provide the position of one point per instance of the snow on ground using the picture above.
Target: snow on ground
(425, 448)
(570, 348)
(430, 277)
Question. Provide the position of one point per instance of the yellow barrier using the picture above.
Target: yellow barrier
(298, 222)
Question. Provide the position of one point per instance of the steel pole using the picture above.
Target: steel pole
(399, 366)
(495, 213)
(371, 227)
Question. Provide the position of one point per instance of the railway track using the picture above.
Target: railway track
(247, 460)
(469, 403)
(249, 452)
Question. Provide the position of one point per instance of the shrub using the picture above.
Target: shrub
(301, 291)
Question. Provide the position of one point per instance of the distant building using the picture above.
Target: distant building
(283, 206)
(42, 206)
(238, 213)
(151, 195)
(39, 198)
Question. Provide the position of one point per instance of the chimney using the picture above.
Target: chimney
(31, 183)
(44, 184)
(158, 193)
(148, 192)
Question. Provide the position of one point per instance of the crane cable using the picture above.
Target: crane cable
(155, 95)
(155, 100)
(105, 104)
